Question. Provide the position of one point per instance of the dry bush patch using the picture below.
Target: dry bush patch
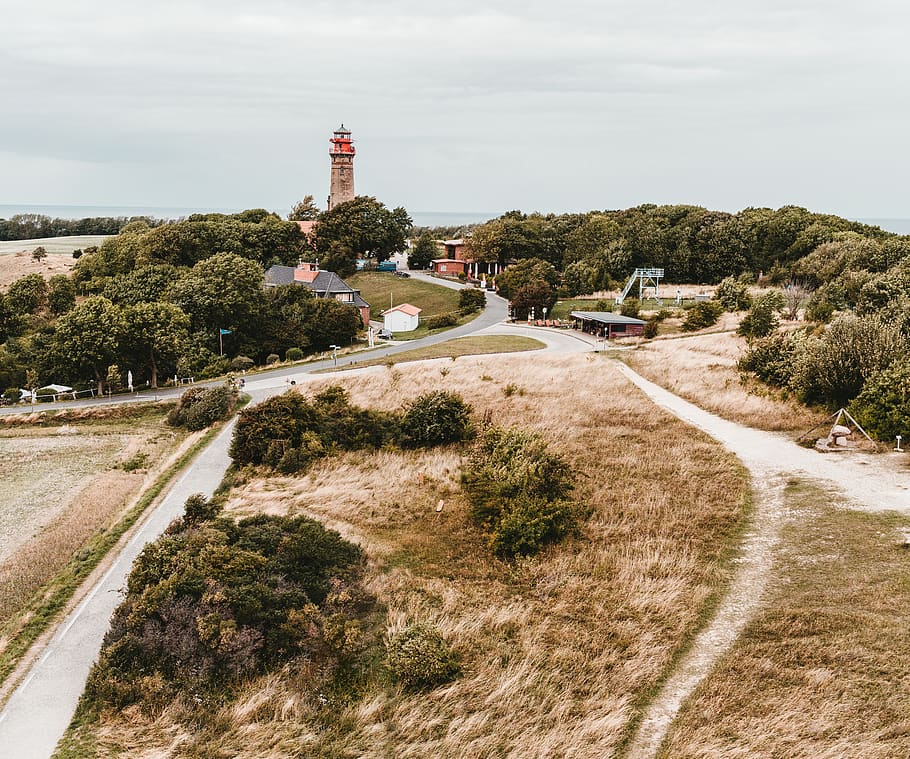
(821, 671)
(559, 652)
(60, 485)
(702, 369)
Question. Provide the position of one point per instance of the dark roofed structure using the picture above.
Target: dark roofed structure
(607, 324)
(324, 284)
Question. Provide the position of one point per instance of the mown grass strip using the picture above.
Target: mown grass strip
(51, 599)
(476, 345)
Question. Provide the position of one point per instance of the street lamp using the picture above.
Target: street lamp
(545, 314)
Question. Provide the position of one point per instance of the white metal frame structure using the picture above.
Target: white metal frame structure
(646, 278)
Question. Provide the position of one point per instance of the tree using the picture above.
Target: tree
(537, 294)
(223, 291)
(524, 272)
(39, 253)
(155, 334)
(61, 296)
(88, 337)
(365, 227)
(423, 252)
(27, 295)
(141, 285)
(762, 318)
(304, 210)
(733, 294)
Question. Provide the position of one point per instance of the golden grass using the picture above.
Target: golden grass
(14, 265)
(702, 369)
(822, 670)
(558, 652)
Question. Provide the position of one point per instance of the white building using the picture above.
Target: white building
(401, 318)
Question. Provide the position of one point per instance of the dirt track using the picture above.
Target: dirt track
(863, 481)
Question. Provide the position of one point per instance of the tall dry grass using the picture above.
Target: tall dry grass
(702, 369)
(821, 672)
(557, 652)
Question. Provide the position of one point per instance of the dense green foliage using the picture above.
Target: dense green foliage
(418, 657)
(200, 407)
(423, 252)
(436, 418)
(733, 294)
(762, 318)
(517, 490)
(883, 406)
(701, 315)
(214, 600)
(440, 321)
(471, 299)
(290, 431)
(360, 228)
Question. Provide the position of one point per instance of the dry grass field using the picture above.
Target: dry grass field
(821, 672)
(16, 256)
(61, 484)
(558, 652)
(702, 369)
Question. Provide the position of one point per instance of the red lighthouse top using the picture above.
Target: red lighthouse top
(341, 142)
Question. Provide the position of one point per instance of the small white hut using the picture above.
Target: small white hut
(401, 318)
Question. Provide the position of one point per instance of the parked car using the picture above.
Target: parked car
(402, 274)
(387, 266)
(385, 334)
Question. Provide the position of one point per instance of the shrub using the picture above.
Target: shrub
(630, 307)
(883, 406)
(440, 320)
(293, 354)
(471, 299)
(762, 318)
(775, 359)
(651, 327)
(701, 315)
(242, 363)
(517, 491)
(215, 368)
(213, 600)
(419, 657)
(733, 294)
(11, 394)
(819, 309)
(436, 418)
(272, 358)
(200, 407)
(198, 508)
(853, 348)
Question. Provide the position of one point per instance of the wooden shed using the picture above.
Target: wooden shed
(607, 324)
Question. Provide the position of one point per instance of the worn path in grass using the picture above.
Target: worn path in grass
(863, 481)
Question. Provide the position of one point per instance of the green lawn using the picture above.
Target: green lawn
(377, 286)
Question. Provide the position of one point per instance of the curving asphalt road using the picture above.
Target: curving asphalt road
(39, 710)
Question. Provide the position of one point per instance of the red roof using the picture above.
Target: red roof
(405, 308)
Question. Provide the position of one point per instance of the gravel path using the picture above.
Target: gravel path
(865, 481)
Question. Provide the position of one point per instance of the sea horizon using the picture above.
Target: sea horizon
(421, 218)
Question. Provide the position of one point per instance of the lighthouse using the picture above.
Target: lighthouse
(342, 154)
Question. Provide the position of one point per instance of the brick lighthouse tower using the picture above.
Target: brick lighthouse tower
(342, 154)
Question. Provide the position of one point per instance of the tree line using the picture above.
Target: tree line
(28, 226)
(165, 299)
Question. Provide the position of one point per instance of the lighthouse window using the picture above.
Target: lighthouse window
(342, 171)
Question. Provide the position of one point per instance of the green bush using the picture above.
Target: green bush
(11, 394)
(198, 508)
(293, 354)
(436, 418)
(272, 358)
(471, 299)
(819, 309)
(215, 600)
(701, 315)
(419, 658)
(775, 359)
(853, 348)
(651, 328)
(242, 363)
(630, 307)
(883, 406)
(440, 320)
(517, 491)
(733, 294)
(200, 407)
(762, 318)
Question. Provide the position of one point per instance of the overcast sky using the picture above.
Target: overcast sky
(458, 106)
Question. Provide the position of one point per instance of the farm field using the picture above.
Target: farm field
(821, 670)
(702, 368)
(53, 245)
(63, 481)
(558, 653)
